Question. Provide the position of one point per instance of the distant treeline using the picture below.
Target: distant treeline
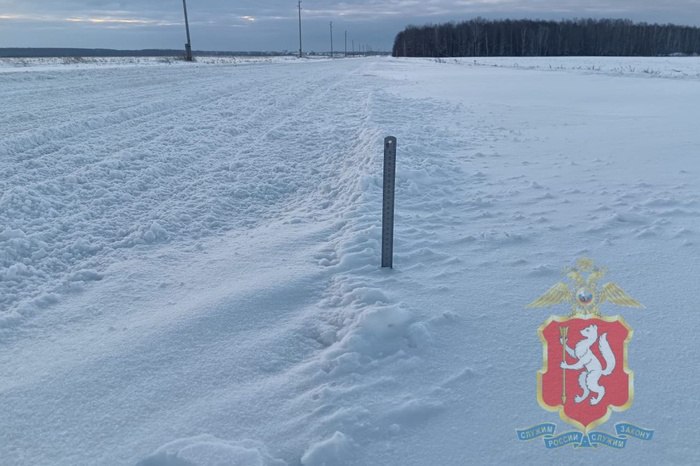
(68, 52)
(580, 37)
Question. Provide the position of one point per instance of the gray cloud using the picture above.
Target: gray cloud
(271, 24)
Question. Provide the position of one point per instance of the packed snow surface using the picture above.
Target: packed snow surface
(189, 257)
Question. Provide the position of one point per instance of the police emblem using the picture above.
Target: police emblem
(585, 376)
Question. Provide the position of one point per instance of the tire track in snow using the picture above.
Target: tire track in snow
(67, 214)
(131, 108)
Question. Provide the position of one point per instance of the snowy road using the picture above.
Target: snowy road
(99, 161)
(190, 253)
(125, 164)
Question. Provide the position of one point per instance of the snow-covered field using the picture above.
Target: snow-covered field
(189, 257)
(665, 67)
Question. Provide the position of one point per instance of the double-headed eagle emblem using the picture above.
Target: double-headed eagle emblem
(583, 294)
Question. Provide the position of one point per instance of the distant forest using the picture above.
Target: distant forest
(580, 37)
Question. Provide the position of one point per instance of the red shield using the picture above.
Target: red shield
(595, 379)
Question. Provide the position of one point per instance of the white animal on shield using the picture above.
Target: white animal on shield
(590, 365)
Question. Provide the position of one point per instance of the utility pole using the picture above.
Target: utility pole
(300, 50)
(331, 39)
(346, 44)
(353, 46)
(188, 45)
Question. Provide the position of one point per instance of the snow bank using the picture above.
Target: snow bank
(328, 452)
(72, 63)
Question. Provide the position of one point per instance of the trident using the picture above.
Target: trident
(563, 332)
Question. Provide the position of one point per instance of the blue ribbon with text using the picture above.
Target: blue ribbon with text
(577, 439)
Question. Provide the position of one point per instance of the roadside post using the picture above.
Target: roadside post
(388, 202)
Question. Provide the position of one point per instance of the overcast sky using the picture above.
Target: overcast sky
(272, 24)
